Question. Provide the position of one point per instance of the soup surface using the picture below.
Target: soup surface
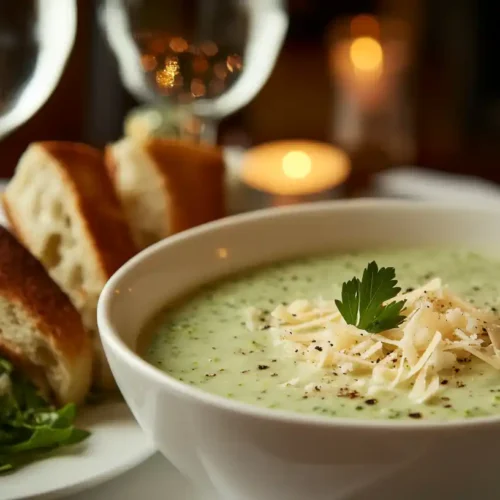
(204, 341)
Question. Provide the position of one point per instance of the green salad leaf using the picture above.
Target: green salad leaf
(363, 300)
(30, 427)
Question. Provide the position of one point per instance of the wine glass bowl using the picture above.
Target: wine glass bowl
(210, 56)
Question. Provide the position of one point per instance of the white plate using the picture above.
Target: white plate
(155, 479)
(116, 445)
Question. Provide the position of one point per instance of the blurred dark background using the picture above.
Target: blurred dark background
(455, 86)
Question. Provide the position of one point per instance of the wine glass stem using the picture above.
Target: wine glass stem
(209, 130)
(199, 130)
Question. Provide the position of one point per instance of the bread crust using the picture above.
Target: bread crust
(25, 283)
(23, 280)
(100, 207)
(192, 180)
(194, 177)
(86, 176)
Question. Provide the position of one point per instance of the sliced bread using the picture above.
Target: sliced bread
(40, 330)
(62, 206)
(166, 186)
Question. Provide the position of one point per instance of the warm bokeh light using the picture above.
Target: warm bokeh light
(234, 63)
(365, 25)
(178, 44)
(366, 54)
(148, 62)
(294, 168)
(165, 77)
(209, 48)
(296, 164)
(171, 62)
(198, 88)
(220, 71)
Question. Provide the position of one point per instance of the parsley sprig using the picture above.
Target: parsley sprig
(362, 301)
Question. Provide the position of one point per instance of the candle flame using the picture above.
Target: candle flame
(366, 54)
(297, 165)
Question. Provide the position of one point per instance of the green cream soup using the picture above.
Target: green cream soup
(203, 340)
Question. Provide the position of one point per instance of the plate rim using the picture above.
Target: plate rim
(87, 484)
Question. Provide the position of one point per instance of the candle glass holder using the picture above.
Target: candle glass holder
(369, 60)
(284, 173)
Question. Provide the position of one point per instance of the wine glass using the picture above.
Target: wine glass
(36, 38)
(203, 58)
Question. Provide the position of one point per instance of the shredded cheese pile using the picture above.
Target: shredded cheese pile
(440, 332)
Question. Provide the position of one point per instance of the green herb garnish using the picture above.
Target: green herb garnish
(362, 301)
(30, 427)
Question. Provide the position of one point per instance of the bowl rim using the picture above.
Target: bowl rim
(186, 391)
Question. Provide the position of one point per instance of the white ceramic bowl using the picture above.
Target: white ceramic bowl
(248, 453)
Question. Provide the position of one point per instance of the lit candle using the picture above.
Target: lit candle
(368, 60)
(360, 64)
(367, 55)
(290, 172)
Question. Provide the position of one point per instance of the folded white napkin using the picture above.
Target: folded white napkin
(425, 184)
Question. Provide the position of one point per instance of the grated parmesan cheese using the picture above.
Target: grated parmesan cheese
(252, 318)
(440, 328)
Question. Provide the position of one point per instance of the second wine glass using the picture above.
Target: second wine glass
(205, 58)
(36, 38)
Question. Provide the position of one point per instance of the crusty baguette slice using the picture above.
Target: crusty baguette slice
(40, 330)
(166, 186)
(62, 206)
